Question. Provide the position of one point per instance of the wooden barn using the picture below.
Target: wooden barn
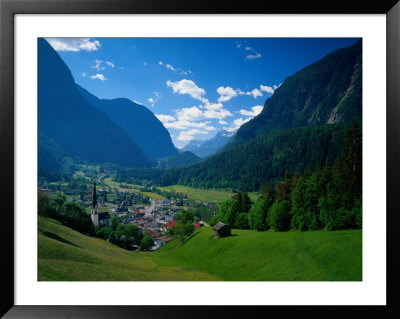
(221, 230)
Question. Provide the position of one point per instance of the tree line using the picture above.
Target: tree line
(328, 197)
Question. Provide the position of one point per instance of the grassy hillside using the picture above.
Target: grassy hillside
(271, 256)
(66, 255)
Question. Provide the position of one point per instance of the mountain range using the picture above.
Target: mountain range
(302, 125)
(76, 124)
(326, 92)
(204, 148)
(141, 125)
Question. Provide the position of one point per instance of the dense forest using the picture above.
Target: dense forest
(328, 197)
(263, 159)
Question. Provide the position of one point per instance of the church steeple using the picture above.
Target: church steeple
(94, 200)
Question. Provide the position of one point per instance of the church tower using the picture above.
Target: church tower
(95, 213)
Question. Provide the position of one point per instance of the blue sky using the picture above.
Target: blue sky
(195, 86)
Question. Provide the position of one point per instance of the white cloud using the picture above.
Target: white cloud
(255, 93)
(74, 44)
(217, 114)
(226, 93)
(144, 63)
(184, 124)
(238, 44)
(99, 65)
(137, 102)
(240, 121)
(122, 68)
(165, 118)
(155, 99)
(188, 87)
(255, 111)
(84, 74)
(188, 135)
(253, 55)
(222, 122)
(98, 76)
(268, 89)
(212, 106)
(170, 67)
(190, 114)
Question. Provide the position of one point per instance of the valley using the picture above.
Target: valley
(153, 172)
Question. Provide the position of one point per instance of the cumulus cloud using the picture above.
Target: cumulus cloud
(255, 110)
(165, 118)
(186, 86)
(268, 89)
(222, 122)
(240, 121)
(74, 44)
(190, 114)
(151, 100)
(226, 93)
(98, 76)
(188, 135)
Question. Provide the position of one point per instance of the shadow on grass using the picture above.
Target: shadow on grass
(189, 238)
(58, 238)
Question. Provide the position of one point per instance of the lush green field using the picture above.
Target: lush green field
(66, 255)
(216, 196)
(248, 255)
(153, 195)
(271, 256)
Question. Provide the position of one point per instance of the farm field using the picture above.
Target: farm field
(216, 196)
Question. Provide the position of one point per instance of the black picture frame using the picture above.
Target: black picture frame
(8, 8)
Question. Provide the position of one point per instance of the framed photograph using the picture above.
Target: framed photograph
(161, 158)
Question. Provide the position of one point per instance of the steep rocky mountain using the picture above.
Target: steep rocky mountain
(74, 127)
(204, 148)
(326, 92)
(141, 125)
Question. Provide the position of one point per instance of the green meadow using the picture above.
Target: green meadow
(216, 196)
(66, 255)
